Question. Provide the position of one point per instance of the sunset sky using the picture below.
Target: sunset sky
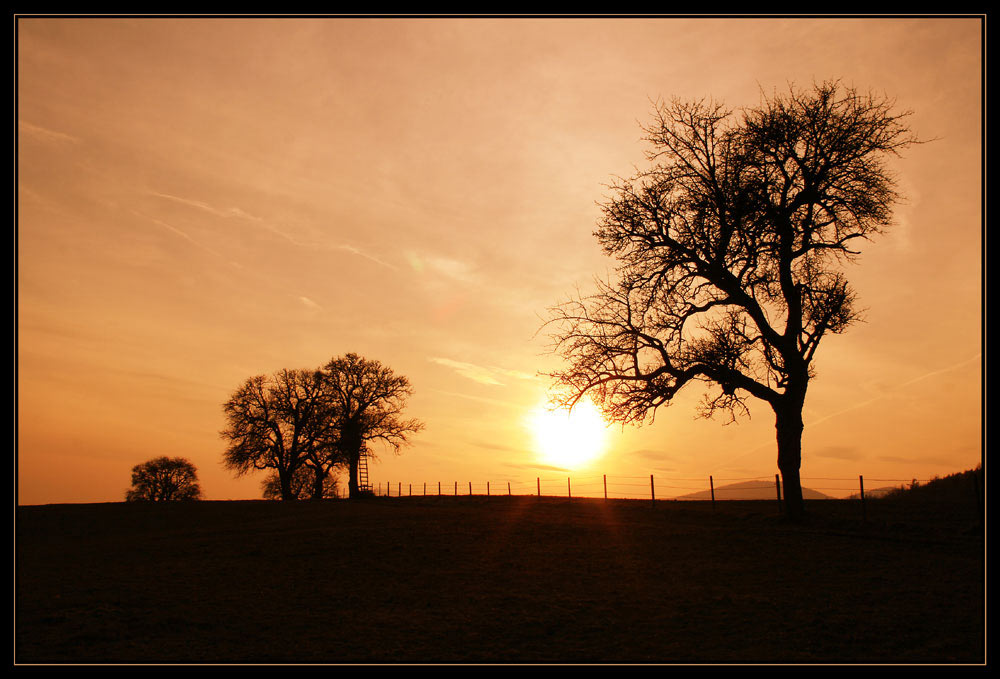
(203, 200)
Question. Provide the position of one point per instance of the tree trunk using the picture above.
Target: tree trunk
(285, 477)
(788, 423)
(352, 476)
(318, 480)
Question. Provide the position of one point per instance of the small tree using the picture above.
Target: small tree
(163, 479)
(368, 400)
(731, 248)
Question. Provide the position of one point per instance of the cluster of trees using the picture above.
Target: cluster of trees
(731, 245)
(163, 479)
(303, 424)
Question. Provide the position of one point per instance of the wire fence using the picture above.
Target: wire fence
(650, 487)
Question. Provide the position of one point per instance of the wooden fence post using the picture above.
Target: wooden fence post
(456, 488)
(487, 489)
(711, 485)
(605, 486)
(652, 490)
(864, 511)
(538, 482)
(508, 489)
(569, 491)
(399, 489)
(470, 487)
(777, 485)
(439, 489)
(411, 490)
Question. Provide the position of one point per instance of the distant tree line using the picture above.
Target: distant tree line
(303, 424)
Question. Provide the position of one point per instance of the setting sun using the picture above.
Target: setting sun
(569, 439)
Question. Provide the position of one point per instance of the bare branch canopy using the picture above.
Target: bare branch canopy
(731, 248)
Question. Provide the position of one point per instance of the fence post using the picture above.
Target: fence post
(711, 485)
(470, 487)
(605, 486)
(864, 511)
(399, 489)
(487, 489)
(439, 489)
(569, 491)
(411, 490)
(456, 488)
(777, 485)
(652, 490)
(538, 482)
(508, 489)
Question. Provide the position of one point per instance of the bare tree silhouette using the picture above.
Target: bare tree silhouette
(368, 399)
(281, 422)
(731, 248)
(302, 422)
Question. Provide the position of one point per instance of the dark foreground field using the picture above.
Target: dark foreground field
(497, 580)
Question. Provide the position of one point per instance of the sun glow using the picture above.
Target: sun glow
(569, 439)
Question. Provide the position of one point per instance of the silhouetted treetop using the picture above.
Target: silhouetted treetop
(163, 479)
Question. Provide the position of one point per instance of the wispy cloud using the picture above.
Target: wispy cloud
(840, 452)
(442, 266)
(231, 212)
(219, 212)
(357, 251)
(481, 399)
(45, 134)
(178, 232)
(942, 460)
(309, 303)
(914, 380)
(482, 374)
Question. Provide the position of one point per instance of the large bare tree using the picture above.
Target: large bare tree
(369, 399)
(731, 247)
(281, 422)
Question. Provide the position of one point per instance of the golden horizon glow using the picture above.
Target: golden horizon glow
(569, 439)
(203, 200)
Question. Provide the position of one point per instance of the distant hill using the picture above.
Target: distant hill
(750, 490)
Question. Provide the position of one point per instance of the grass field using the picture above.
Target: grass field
(498, 580)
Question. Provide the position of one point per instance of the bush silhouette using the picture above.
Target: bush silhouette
(163, 479)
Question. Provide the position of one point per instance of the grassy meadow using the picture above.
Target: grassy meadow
(499, 580)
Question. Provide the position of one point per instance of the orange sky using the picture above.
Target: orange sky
(204, 200)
